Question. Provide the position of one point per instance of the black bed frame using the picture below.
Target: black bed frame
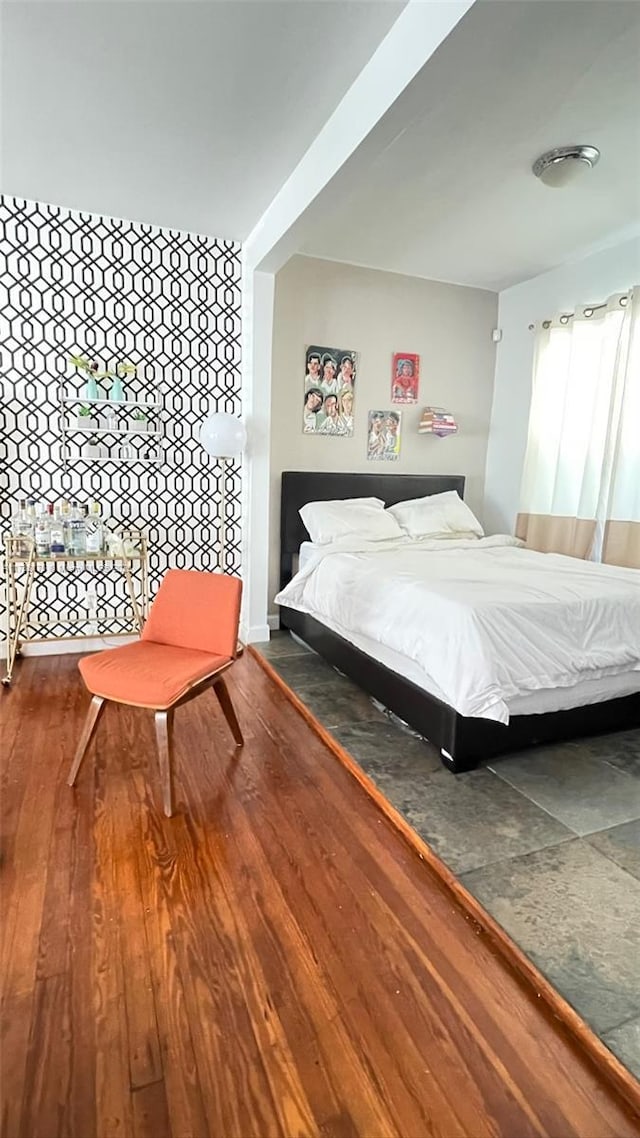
(463, 742)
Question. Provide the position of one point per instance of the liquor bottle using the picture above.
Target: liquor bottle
(94, 529)
(56, 533)
(77, 532)
(43, 531)
(65, 514)
(22, 529)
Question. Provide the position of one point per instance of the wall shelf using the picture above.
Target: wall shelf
(115, 403)
(114, 431)
(113, 458)
(147, 452)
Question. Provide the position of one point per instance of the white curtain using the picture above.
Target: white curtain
(581, 480)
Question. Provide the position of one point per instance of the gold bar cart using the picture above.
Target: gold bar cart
(24, 568)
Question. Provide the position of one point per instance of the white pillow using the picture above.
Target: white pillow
(351, 517)
(439, 515)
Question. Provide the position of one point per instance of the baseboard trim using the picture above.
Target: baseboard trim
(256, 634)
(581, 1035)
(70, 647)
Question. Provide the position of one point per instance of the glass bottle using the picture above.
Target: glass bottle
(65, 513)
(22, 529)
(94, 529)
(91, 392)
(116, 391)
(56, 533)
(42, 531)
(77, 532)
(16, 517)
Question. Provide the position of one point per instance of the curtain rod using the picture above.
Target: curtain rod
(587, 311)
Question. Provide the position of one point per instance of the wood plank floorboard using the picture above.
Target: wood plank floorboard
(275, 961)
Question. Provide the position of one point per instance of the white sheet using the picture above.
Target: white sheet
(487, 622)
(533, 703)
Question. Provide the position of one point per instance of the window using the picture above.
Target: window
(581, 480)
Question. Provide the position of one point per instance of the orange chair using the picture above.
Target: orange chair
(188, 641)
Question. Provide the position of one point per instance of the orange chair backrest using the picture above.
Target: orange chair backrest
(196, 610)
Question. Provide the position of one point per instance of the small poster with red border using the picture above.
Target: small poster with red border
(405, 377)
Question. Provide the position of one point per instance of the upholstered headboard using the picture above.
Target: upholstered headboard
(302, 486)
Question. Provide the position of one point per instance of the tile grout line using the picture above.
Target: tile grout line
(517, 857)
(623, 1023)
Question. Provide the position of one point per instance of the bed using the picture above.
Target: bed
(463, 740)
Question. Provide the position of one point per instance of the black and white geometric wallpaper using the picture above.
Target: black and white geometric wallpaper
(168, 302)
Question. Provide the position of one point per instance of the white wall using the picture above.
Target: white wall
(376, 314)
(584, 281)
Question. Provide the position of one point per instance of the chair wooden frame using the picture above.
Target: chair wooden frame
(164, 727)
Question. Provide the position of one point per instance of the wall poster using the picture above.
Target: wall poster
(405, 377)
(383, 438)
(329, 391)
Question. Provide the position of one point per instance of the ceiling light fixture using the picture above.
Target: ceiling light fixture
(564, 164)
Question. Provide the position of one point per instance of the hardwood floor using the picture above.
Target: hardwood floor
(275, 960)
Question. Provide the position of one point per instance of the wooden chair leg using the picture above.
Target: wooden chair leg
(164, 736)
(222, 692)
(88, 731)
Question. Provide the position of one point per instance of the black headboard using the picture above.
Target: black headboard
(301, 486)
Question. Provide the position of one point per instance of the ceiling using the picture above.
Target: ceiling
(191, 114)
(452, 196)
(185, 114)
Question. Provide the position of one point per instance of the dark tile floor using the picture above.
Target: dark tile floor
(548, 840)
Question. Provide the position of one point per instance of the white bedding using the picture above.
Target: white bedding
(487, 622)
(533, 703)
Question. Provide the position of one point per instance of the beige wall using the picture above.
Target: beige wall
(377, 314)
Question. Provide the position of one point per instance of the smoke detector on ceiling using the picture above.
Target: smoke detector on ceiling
(565, 164)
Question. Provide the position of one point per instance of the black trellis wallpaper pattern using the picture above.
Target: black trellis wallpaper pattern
(168, 302)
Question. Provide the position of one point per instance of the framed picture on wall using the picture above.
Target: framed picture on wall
(329, 390)
(405, 377)
(383, 436)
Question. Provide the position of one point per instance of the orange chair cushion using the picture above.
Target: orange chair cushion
(147, 674)
(196, 610)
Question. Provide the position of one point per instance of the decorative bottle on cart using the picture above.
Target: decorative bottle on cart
(65, 514)
(77, 532)
(56, 533)
(22, 529)
(43, 531)
(94, 529)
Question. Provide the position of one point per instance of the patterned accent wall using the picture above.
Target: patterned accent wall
(168, 302)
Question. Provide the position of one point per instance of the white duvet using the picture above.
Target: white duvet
(486, 619)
